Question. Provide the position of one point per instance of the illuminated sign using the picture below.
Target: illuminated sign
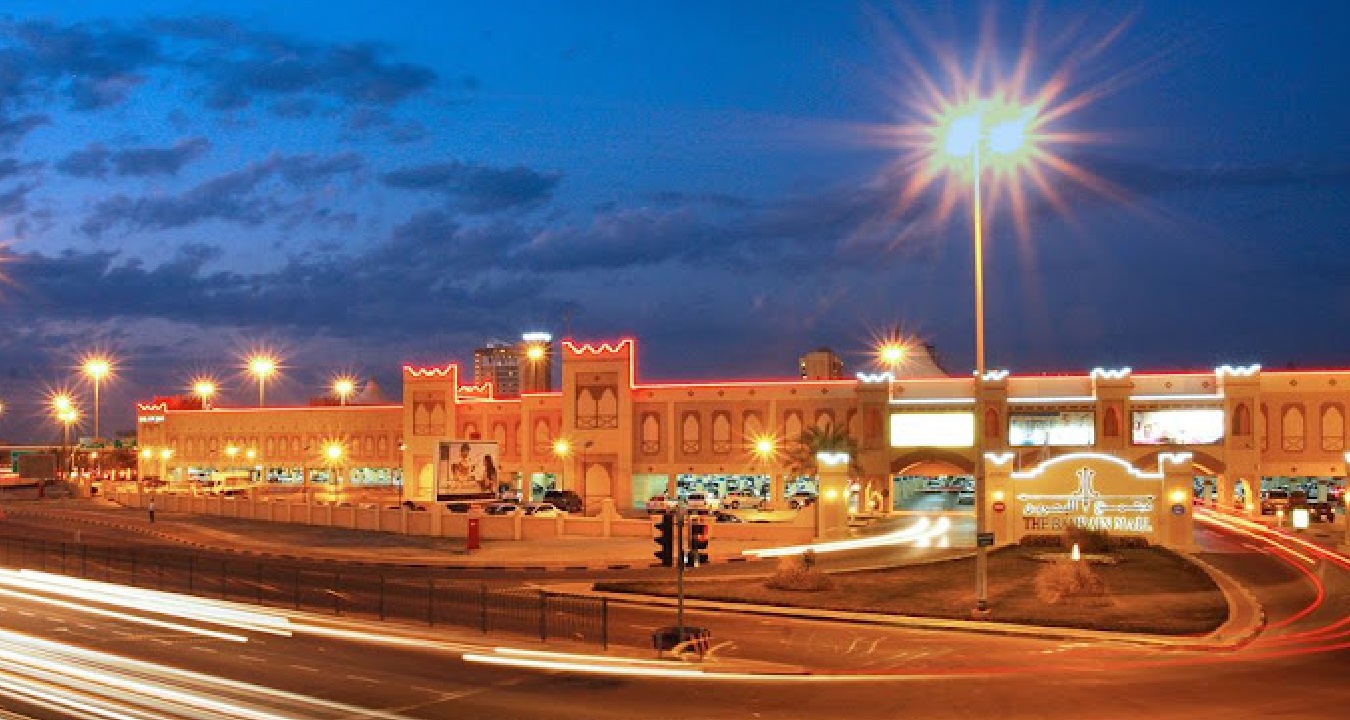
(150, 419)
(1087, 508)
(1074, 429)
(1194, 426)
(935, 429)
(466, 469)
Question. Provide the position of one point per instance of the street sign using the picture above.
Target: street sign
(1178, 509)
(984, 540)
(1000, 507)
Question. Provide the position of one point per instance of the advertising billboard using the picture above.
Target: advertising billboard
(933, 429)
(1056, 429)
(1196, 426)
(466, 468)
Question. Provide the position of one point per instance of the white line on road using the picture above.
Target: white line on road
(362, 678)
(204, 649)
(305, 668)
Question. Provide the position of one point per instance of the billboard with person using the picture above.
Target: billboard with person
(466, 468)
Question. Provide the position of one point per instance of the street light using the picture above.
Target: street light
(97, 367)
(765, 448)
(344, 387)
(204, 388)
(261, 366)
(561, 449)
(332, 454)
(997, 132)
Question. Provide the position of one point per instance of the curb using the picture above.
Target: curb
(494, 566)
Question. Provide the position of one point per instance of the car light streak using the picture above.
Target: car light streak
(182, 607)
(81, 683)
(124, 616)
(924, 529)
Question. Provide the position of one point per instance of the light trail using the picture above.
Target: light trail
(923, 530)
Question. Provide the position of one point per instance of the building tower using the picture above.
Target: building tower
(498, 363)
(821, 364)
(535, 356)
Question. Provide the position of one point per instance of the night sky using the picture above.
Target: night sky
(361, 184)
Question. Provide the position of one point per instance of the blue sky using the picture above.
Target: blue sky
(360, 184)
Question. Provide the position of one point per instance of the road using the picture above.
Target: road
(1293, 670)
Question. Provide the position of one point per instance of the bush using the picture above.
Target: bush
(796, 573)
(1066, 580)
(1096, 542)
(1042, 541)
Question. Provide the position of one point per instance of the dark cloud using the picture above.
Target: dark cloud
(364, 121)
(94, 65)
(96, 160)
(251, 196)
(477, 188)
(12, 130)
(1146, 178)
(15, 200)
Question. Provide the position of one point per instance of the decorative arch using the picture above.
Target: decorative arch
(651, 433)
(991, 428)
(543, 437)
(1263, 427)
(792, 426)
(1333, 427)
(1242, 420)
(1292, 427)
(1111, 422)
(689, 433)
(499, 436)
(854, 424)
(721, 432)
(824, 419)
(929, 461)
(753, 425)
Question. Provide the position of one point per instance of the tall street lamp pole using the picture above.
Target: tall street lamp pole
(261, 366)
(97, 368)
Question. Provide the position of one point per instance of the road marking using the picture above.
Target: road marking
(203, 649)
(25, 613)
(251, 659)
(305, 668)
(362, 679)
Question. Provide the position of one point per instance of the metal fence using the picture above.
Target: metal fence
(395, 594)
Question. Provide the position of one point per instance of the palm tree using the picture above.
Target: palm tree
(801, 454)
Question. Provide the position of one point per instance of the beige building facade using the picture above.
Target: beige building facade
(1123, 445)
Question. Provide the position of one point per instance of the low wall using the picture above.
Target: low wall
(437, 521)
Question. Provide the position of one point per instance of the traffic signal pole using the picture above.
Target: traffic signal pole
(679, 572)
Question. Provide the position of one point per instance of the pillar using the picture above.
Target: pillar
(998, 480)
(1176, 514)
(831, 507)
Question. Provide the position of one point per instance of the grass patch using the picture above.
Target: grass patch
(1149, 590)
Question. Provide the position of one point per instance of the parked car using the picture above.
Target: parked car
(412, 506)
(660, 503)
(542, 509)
(567, 500)
(1273, 501)
(700, 501)
(458, 507)
(801, 499)
(502, 508)
(726, 517)
(739, 499)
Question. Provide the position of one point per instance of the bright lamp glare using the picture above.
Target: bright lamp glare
(963, 134)
(1009, 136)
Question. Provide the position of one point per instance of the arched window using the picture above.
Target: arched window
(753, 426)
(543, 437)
(824, 419)
(689, 431)
(1333, 428)
(1242, 420)
(792, 427)
(499, 435)
(721, 431)
(1263, 427)
(1291, 428)
(991, 429)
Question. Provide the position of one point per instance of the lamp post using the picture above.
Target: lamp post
(97, 368)
(204, 389)
(1001, 130)
(332, 455)
(67, 417)
(262, 366)
(164, 455)
(561, 450)
(344, 387)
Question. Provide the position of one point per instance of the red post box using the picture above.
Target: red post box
(473, 539)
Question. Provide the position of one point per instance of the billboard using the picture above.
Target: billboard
(466, 468)
(1178, 427)
(1057, 429)
(933, 429)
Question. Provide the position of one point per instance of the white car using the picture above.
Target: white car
(542, 509)
(738, 500)
(660, 504)
(700, 501)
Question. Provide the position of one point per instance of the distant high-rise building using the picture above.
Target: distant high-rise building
(498, 363)
(513, 368)
(821, 364)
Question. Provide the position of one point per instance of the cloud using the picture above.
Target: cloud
(95, 65)
(251, 196)
(477, 188)
(15, 200)
(95, 160)
(12, 130)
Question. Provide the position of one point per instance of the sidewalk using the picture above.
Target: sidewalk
(367, 548)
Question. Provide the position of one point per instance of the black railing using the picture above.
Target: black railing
(392, 594)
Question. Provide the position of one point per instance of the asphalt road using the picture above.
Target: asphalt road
(1294, 669)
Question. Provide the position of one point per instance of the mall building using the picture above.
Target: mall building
(1108, 449)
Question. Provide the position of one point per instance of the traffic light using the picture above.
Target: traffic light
(665, 538)
(700, 531)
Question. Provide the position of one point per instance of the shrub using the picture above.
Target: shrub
(1088, 541)
(1042, 541)
(796, 573)
(1066, 580)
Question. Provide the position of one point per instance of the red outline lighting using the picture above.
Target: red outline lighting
(152, 407)
(600, 348)
(475, 392)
